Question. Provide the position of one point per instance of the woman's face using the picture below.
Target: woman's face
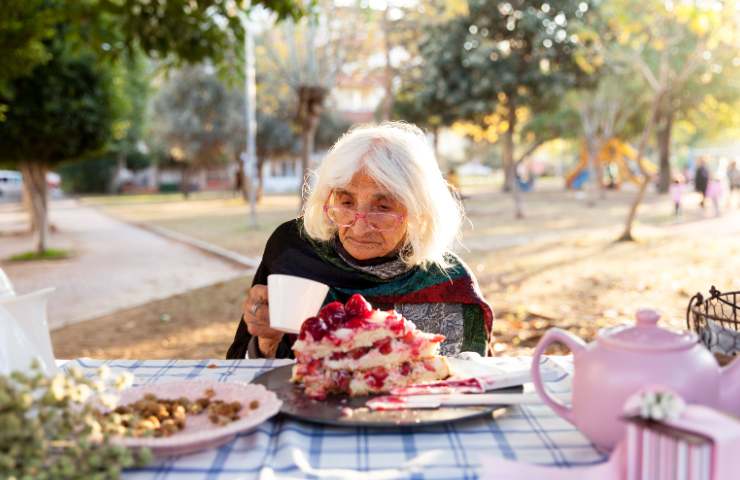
(361, 240)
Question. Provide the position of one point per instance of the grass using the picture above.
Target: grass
(223, 220)
(48, 254)
(141, 198)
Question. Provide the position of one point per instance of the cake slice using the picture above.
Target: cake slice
(355, 350)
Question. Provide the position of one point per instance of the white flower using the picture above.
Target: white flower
(656, 411)
(655, 404)
(104, 372)
(109, 400)
(57, 387)
(124, 380)
(83, 392)
(673, 405)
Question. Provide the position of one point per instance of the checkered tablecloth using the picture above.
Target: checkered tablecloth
(450, 451)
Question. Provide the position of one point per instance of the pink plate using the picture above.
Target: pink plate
(200, 433)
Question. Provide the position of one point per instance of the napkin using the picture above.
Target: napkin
(407, 468)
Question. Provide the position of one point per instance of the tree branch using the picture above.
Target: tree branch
(646, 72)
(529, 151)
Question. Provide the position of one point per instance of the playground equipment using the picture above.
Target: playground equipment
(619, 161)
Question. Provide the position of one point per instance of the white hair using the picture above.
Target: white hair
(398, 157)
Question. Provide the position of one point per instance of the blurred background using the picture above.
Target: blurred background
(148, 149)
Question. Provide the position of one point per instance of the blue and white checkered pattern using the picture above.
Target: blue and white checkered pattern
(531, 434)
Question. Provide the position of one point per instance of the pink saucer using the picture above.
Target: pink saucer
(200, 433)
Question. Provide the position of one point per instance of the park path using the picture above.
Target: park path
(114, 265)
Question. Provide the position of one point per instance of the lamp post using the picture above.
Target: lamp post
(249, 157)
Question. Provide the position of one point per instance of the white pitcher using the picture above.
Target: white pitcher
(25, 333)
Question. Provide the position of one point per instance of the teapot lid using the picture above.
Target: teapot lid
(647, 335)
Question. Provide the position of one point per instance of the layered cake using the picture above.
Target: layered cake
(356, 350)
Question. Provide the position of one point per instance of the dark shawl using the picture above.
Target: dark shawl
(291, 251)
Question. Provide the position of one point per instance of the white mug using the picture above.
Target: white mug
(292, 300)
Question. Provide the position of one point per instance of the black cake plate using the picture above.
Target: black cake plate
(351, 411)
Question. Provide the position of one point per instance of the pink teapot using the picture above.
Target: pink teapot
(624, 359)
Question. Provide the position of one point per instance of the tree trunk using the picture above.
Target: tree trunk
(308, 137)
(664, 147)
(507, 153)
(595, 185)
(435, 141)
(627, 233)
(185, 182)
(517, 195)
(388, 74)
(600, 186)
(310, 105)
(114, 184)
(241, 185)
(260, 185)
(510, 178)
(34, 181)
(27, 203)
(156, 176)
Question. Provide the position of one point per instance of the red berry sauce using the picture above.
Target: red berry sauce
(376, 377)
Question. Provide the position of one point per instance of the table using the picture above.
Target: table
(531, 434)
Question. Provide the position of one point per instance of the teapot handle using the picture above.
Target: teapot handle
(571, 341)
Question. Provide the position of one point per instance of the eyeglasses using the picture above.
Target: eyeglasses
(346, 217)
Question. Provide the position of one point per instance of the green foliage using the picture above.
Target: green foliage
(175, 31)
(178, 30)
(62, 111)
(133, 81)
(24, 25)
(195, 118)
(331, 127)
(687, 57)
(522, 53)
(614, 108)
(275, 136)
(48, 254)
(430, 94)
(51, 428)
(199, 118)
(90, 175)
(182, 29)
(560, 123)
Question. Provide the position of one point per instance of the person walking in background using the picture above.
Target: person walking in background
(714, 194)
(701, 179)
(733, 182)
(676, 191)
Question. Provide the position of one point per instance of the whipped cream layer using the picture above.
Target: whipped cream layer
(319, 382)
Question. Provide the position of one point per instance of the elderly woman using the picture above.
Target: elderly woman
(379, 221)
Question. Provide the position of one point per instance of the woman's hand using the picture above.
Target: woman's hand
(257, 319)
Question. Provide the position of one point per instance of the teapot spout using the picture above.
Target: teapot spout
(729, 395)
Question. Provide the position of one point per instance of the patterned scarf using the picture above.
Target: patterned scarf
(385, 283)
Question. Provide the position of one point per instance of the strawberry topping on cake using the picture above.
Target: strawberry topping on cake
(353, 349)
